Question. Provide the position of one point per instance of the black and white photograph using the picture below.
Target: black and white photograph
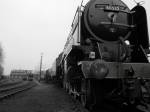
(75, 56)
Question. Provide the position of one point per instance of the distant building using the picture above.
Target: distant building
(24, 74)
(20, 74)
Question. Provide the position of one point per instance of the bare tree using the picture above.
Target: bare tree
(1, 61)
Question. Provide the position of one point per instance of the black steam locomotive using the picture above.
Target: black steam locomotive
(105, 56)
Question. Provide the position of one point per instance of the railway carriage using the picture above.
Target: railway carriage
(54, 73)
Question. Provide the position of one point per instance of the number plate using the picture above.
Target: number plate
(112, 8)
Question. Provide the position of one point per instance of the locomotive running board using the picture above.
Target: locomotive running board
(118, 70)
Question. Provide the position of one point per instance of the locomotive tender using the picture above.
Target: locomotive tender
(105, 56)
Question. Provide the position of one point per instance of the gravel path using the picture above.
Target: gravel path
(42, 98)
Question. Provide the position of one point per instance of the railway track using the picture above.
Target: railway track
(10, 90)
(3, 81)
(9, 83)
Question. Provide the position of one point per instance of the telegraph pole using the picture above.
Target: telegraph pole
(41, 65)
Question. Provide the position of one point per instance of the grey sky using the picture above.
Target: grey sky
(29, 27)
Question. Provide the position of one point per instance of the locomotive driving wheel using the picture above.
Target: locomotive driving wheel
(86, 93)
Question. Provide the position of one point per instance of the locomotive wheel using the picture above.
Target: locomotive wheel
(66, 80)
(86, 93)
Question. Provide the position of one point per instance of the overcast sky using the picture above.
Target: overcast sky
(31, 27)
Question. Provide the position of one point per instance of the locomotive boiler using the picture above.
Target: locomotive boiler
(105, 56)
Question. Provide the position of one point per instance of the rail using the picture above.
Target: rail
(9, 83)
(11, 90)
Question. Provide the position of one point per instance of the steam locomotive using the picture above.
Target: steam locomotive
(105, 56)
